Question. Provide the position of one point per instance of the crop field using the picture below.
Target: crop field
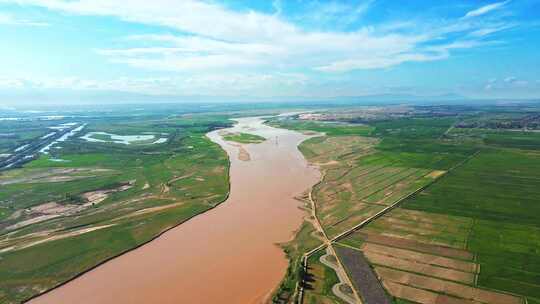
(355, 187)
(526, 140)
(471, 236)
(364, 175)
(498, 190)
(422, 129)
(86, 202)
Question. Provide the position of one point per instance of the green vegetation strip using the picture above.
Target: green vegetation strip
(244, 138)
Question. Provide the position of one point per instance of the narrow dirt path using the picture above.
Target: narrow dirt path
(340, 270)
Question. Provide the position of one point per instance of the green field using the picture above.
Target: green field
(499, 191)
(357, 183)
(483, 212)
(363, 175)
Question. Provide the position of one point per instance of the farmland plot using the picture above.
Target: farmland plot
(352, 189)
(424, 258)
(473, 235)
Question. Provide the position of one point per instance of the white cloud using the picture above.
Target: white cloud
(508, 83)
(510, 79)
(374, 63)
(191, 16)
(209, 84)
(387, 58)
(9, 19)
(485, 9)
(335, 14)
(482, 32)
(216, 38)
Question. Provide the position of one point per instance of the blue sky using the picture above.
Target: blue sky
(106, 51)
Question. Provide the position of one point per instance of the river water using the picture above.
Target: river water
(226, 255)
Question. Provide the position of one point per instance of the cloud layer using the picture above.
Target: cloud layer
(212, 37)
(192, 47)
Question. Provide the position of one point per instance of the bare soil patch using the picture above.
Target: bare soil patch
(414, 245)
(421, 257)
(421, 296)
(51, 210)
(149, 210)
(410, 293)
(436, 173)
(57, 237)
(50, 175)
(427, 217)
(37, 219)
(98, 196)
(446, 287)
(435, 227)
(426, 239)
(418, 267)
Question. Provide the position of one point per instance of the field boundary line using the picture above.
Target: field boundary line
(392, 184)
(363, 223)
(327, 243)
(399, 201)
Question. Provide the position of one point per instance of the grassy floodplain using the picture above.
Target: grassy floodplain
(86, 202)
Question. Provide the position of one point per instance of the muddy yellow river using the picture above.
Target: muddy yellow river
(226, 255)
